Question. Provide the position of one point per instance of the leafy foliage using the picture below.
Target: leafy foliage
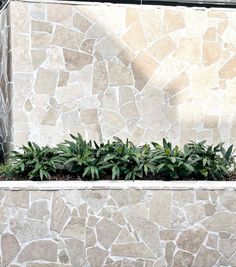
(123, 160)
(35, 162)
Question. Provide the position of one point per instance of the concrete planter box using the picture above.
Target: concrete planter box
(105, 223)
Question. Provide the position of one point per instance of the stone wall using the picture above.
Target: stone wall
(141, 224)
(5, 79)
(142, 72)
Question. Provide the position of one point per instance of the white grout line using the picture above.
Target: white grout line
(114, 185)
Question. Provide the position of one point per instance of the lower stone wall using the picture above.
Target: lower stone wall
(122, 224)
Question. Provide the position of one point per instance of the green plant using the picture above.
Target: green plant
(35, 162)
(209, 161)
(5, 169)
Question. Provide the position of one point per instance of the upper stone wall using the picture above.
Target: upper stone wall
(142, 72)
(5, 79)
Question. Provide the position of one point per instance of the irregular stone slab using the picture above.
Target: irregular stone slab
(76, 60)
(157, 214)
(221, 221)
(125, 237)
(27, 229)
(63, 257)
(206, 257)
(75, 228)
(228, 199)
(172, 20)
(81, 23)
(46, 81)
(228, 71)
(107, 231)
(41, 26)
(210, 209)
(136, 250)
(36, 264)
(10, 248)
(18, 199)
(183, 259)
(76, 251)
(143, 66)
(67, 38)
(212, 241)
(55, 13)
(227, 247)
(191, 239)
(96, 256)
(168, 234)
(90, 237)
(44, 250)
(169, 252)
(60, 213)
(119, 75)
(95, 199)
(147, 231)
(100, 77)
(39, 210)
(40, 40)
(183, 196)
(38, 57)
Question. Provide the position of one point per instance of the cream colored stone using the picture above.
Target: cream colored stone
(55, 13)
(228, 71)
(38, 57)
(19, 11)
(17, 199)
(168, 234)
(10, 248)
(119, 74)
(195, 212)
(151, 22)
(39, 210)
(89, 116)
(135, 37)
(210, 121)
(40, 40)
(56, 60)
(81, 23)
(183, 196)
(67, 38)
(125, 237)
(46, 81)
(38, 250)
(212, 241)
(210, 209)
(76, 60)
(177, 85)
(129, 111)
(169, 252)
(162, 48)
(143, 66)
(112, 119)
(87, 46)
(63, 78)
(172, 20)
(156, 212)
(137, 249)
(189, 49)
(210, 34)
(211, 53)
(41, 26)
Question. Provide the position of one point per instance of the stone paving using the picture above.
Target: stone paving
(142, 72)
(141, 228)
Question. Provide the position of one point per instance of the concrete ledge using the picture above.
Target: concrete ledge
(114, 185)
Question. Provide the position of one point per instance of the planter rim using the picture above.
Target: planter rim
(116, 185)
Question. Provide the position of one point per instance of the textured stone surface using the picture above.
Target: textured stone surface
(165, 62)
(116, 227)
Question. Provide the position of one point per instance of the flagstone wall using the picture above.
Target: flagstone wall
(5, 85)
(142, 72)
(120, 225)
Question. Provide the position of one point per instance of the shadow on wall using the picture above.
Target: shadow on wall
(5, 84)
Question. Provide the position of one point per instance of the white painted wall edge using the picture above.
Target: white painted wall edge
(116, 185)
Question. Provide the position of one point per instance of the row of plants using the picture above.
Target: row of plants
(118, 160)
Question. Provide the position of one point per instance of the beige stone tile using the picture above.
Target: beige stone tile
(131, 16)
(75, 61)
(119, 75)
(67, 37)
(177, 85)
(135, 37)
(210, 34)
(211, 53)
(172, 20)
(38, 56)
(20, 17)
(81, 23)
(228, 71)
(46, 81)
(55, 13)
(41, 26)
(40, 40)
(143, 66)
(162, 48)
(89, 116)
(189, 49)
